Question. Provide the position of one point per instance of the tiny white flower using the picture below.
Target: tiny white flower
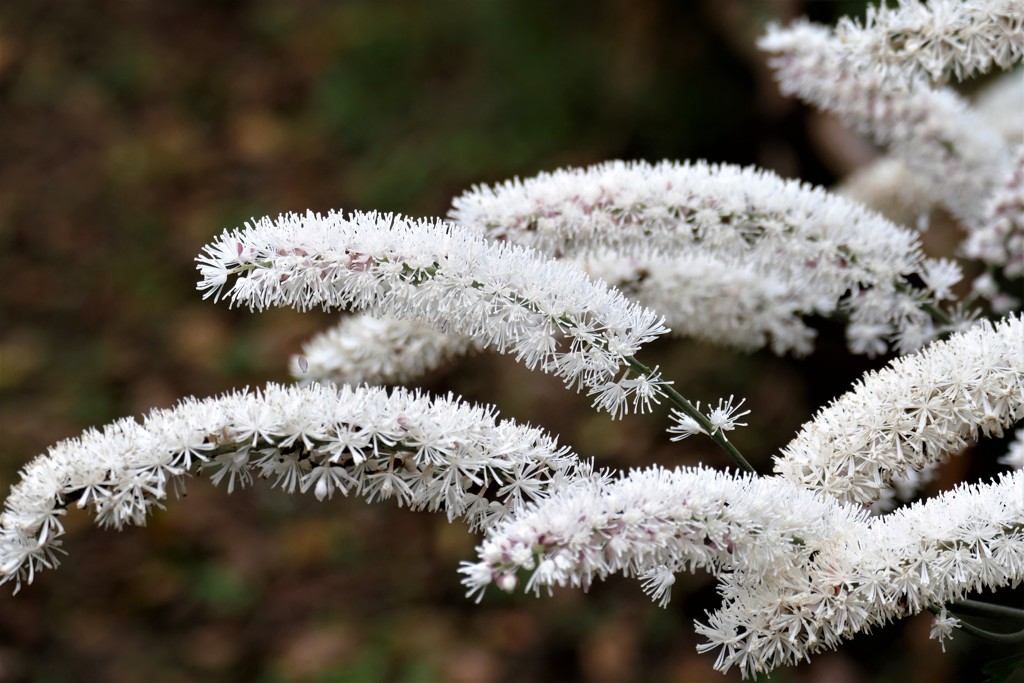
(683, 425)
(943, 625)
(725, 416)
(940, 275)
(657, 583)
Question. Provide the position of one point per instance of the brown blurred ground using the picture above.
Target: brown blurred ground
(132, 132)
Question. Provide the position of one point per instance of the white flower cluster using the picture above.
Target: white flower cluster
(364, 349)
(932, 553)
(722, 300)
(749, 251)
(890, 187)
(917, 410)
(654, 519)
(933, 131)
(425, 453)
(933, 41)
(796, 578)
(548, 314)
(998, 238)
(698, 243)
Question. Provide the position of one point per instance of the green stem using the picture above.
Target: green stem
(985, 609)
(934, 311)
(687, 407)
(1008, 638)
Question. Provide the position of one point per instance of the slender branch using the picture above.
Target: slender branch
(1008, 638)
(687, 407)
(937, 314)
(975, 608)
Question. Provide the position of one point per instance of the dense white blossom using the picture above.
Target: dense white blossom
(917, 410)
(651, 519)
(933, 131)
(426, 453)
(797, 578)
(680, 206)
(997, 239)
(748, 251)
(930, 553)
(572, 272)
(362, 348)
(730, 300)
(889, 186)
(547, 313)
(934, 40)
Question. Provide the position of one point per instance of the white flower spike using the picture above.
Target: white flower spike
(739, 247)
(933, 131)
(426, 453)
(546, 313)
(917, 410)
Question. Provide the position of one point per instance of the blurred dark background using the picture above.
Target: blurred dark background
(133, 132)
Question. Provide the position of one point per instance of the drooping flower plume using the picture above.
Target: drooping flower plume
(425, 453)
(548, 314)
(932, 553)
(918, 410)
(573, 272)
(933, 131)
(741, 237)
(651, 519)
(797, 579)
